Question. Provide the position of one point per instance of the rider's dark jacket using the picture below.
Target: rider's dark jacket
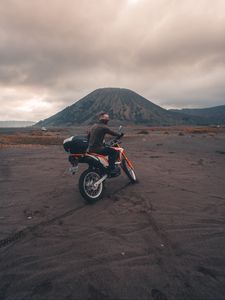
(96, 136)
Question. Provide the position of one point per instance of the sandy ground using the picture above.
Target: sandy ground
(163, 238)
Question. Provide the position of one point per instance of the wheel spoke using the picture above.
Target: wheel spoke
(89, 181)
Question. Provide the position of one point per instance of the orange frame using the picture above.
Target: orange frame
(104, 156)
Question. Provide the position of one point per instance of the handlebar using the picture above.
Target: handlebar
(113, 141)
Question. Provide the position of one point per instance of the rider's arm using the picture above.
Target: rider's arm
(88, 136)
(111, 132)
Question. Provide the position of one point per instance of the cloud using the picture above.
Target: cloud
(170, 51)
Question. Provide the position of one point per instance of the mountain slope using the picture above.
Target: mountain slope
(212, 115)
(123, 105)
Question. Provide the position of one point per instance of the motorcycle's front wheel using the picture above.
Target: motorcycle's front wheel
(87, 187)
(129, 171)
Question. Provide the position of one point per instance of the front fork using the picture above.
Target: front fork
(127, 160)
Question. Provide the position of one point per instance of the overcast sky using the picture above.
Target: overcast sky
(54, 52)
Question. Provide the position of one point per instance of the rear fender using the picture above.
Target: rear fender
(73, 160)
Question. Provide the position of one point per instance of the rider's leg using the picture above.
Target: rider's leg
(111, 153)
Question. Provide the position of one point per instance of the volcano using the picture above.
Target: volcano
(123, 105)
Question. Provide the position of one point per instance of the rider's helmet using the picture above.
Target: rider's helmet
(104, 117)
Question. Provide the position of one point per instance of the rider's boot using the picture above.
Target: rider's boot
(114, 171)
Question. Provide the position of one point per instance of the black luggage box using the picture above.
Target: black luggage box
(76, 144)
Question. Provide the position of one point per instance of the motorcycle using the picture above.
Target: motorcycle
(91, 181)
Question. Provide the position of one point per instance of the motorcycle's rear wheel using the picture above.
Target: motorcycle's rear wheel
(129, 171)
(87, 189)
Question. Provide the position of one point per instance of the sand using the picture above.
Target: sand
(163, 238)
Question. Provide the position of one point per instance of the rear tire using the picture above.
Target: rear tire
(86, 186)
(129, 171)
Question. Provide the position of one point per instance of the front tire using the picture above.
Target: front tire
(129, 171)
(86, 186)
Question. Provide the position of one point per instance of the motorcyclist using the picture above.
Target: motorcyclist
(96, 141)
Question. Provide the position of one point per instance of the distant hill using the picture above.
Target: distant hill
(16, 123)
(124, 107)
(212, 115)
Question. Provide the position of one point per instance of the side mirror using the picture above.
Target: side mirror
(120, 129)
